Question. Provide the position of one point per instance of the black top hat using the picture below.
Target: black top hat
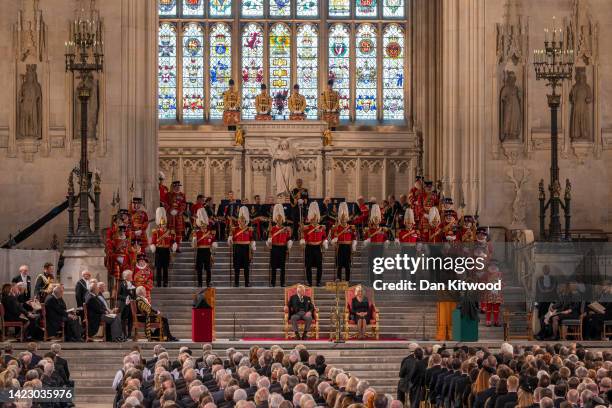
(417, 178)
(330, 82)
(429, 183)
(448, 213)
(263, 86)
(135, 242)
(482, 230)
(124, 211)
(176, 183)
(136, 200)
(231, 82)
(468, 218)
(447, 200)
(296, 86)
(122, 227)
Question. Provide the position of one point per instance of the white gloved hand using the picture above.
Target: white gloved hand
(120, 260)
(230, 240)
(194, 242)
(325, 244)
(152, 248)
(174, 247)
(253, 245)
(269, 242)
(334, 241)
(302, 241)
(397, 242)
(289, 244)
(387, 242)
(354, 246)
(173, 212)
(215, 245)
(366, 242)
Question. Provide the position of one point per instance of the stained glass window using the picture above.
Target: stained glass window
(220, 8)
(252, 8)
(307, 8)
(280, 67)
(393, 72)
(167, 71)
(252, 67)
(365, 66)
(308, 66)
(193, 7)
(365, 8)
(167, 8)
(280, 8)
(339, 58)
(193, 71)
(339, 8)
(220, 66)
(393, 8)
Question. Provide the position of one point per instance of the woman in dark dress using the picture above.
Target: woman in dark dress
(360, 311)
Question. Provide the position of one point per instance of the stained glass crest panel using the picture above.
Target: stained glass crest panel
(280, 67)
(252, 8)
(166, 8)
(393, 72)
(339, 65)
(220, 8)
(280, 8)
(393, 8)
(307, 8)
(307, 66)
(193, 72)
(193, 7)
(365, 8)
(220, 66)
(366, 72)
(166, 74)
(339, 8)
(252, 67)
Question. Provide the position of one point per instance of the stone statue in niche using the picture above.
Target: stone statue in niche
(93, 108)
(30, 105)
(519, 177)
(510, 109)
(284, 165)
(581, 98)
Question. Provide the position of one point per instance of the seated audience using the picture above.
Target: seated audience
(99, 313)
(57, 317)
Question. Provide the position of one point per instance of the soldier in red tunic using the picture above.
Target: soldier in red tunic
(177, 204)
(376, 234)
(163, 191)
(314, 237)
(433, 233)
(408, 236)
(120, 252)
(280, 243)
(200, 203)
(143, 275)
(493, 298)
(427, 200)
(344, 237)
(467, 234)
(448, 205)
(203, 240)
(242, 241)
(361, 220)
(450, 223)
(414, 198)
(162, 242)
(139, 221)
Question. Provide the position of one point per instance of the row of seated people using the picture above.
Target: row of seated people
(29, 370)
(551, 376)
(259, 378)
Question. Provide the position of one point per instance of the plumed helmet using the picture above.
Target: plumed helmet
(409, 216)
(278, 211)
(244, 214)
(343, 211)
(160, 216)
(161, 175)
(313, 212)
(375, 215)
(201, 218)
(434, 214)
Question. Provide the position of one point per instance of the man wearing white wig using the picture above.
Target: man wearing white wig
(344, 237)
(279, 241)
(243, 242)
(314, 237)
(162, 241)
(203, 240)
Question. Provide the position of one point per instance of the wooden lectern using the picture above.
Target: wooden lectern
(203, 320)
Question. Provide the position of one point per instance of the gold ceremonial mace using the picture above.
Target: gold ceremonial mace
(336, 315)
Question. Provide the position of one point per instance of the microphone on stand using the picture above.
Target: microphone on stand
(234, 338)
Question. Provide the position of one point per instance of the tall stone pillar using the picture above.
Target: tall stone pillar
(462, 141)
(139, 156)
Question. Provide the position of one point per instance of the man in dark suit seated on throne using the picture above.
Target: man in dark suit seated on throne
(300, 308)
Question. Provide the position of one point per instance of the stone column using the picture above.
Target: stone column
(139, 133)
(461, 153)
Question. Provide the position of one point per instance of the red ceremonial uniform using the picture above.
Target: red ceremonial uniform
(204, 237)
(426, 202)
(314, 234)
(280, 235)
(377, 235)
(139, 221)
(408, 236)
(242, 235)
(144, 277)
(362, 218)
(177, 204)
(433, 234)
(163, 195)
(344, 233)
(414, 200)
(162, 237)
(467, 234)
(121, 256)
